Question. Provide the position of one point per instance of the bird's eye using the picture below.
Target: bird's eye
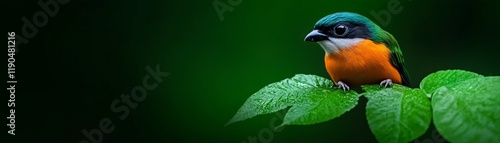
(340, 30)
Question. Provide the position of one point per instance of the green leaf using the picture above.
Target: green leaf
(397, 114)
(319, 105)
(311, 97)
(441, 78)
(468, 111)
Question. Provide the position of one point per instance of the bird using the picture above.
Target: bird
(358, 52)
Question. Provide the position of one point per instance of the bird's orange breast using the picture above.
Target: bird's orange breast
(364, 63)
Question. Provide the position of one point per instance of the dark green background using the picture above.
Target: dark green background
(93, 51)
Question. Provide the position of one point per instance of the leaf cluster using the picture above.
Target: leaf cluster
(464, 106)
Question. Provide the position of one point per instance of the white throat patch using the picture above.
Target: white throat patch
(333, 45)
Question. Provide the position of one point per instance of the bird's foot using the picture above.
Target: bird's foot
(342, 86)
(386, 83)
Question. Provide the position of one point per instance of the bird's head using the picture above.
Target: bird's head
(342, 30)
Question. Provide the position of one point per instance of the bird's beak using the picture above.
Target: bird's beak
(315, 36)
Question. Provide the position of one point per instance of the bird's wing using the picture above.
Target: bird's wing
(397, 59)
